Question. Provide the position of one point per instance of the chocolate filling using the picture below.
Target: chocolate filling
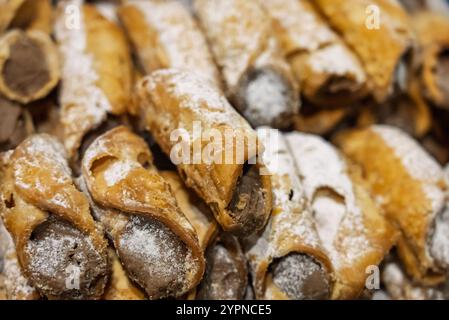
(226, 275)
(266, 99)
(442, 74)
(63, 262)
(155, 257)
(247, 205)
(300, 277)
(26, 72)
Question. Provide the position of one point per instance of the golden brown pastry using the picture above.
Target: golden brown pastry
(8, 9)
(287, 261)
(257, 78)
(352, 229)
(34, 15)
(409, 184)
(154, 241)
(164, 34)
(328, 72)
(96, 70)
(379, 32)
(224, 174)
(60, 249)
(432, 58)
(29, 65)
(319, 121)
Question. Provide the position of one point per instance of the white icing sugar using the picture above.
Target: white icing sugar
(247, 26)
(337, 59)
(16, 285)
(80, 96)
(266, 98)
(108, 10)
(439, 248)
(43, 151)
(302, 24)
(179, 36)
(118, 171)
(207, 103)
(156, 243)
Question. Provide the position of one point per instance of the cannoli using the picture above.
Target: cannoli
(60, 249)
(257, 78)
(96, 70)
(15, 124)
(352, 229)
(287, 260)
(120, 287)
(326, 69)
(154, 241)
(409, 184)
(432, 59)
(379, 32)
(225, 173)
(29, 65)
(226, 275)
(165, 35)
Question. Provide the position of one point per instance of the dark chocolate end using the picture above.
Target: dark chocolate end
(248, 202)
(64, 264)
(26, 72)
(155, 257)
(300, 277)
(266, 99)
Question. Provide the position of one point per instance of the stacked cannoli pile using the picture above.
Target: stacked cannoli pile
(329, 183)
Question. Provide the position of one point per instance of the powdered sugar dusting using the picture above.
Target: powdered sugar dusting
(118, 171)
(439, 247)
(246, 27)
(84, 104)
(16, 285)
(179, 37)
(41, 153)
(337, 60)
(419, 164)
(198, 98)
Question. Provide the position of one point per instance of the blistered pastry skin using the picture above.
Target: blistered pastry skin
(47, 216)
(379, 42)
(408, 184)
(164, 34)
(154, 241)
